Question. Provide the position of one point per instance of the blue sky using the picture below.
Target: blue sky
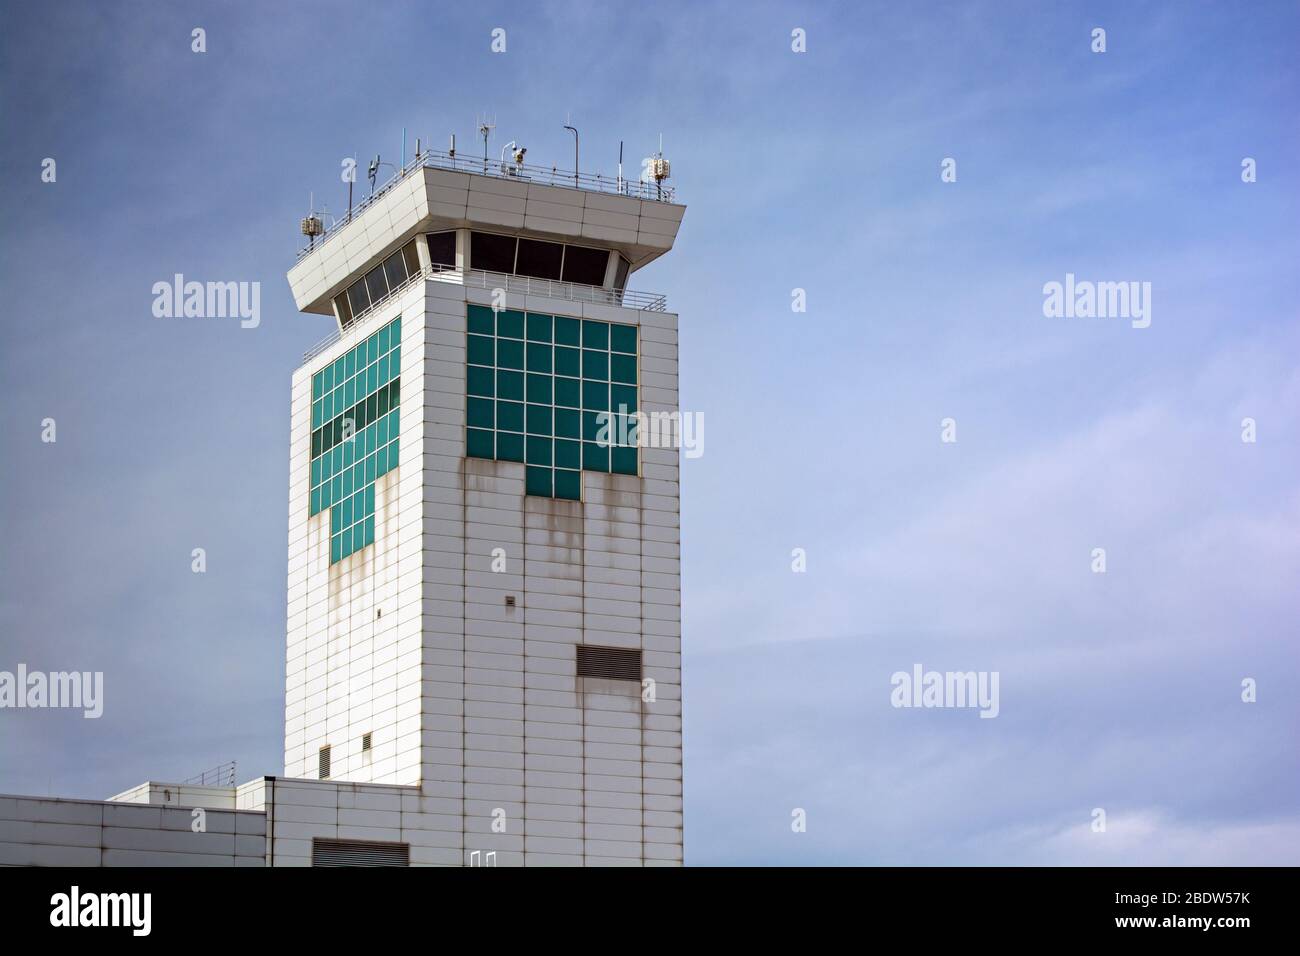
(817, 171)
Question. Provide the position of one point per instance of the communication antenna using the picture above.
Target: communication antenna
(657, 168)
(312, 226)
(485, 130)
(452, 152)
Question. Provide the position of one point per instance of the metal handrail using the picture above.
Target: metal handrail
(520, 285)
(222, 775)
(552, 176)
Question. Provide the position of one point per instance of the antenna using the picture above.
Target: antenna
(485, 130)
(452, 151)
(311, 226)
(657, 168)
(620, 165)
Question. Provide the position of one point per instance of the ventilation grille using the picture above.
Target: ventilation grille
(359, 853)
(365, 741)
(324, 766)
(616, 663)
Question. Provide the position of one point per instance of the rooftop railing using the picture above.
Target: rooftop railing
(525, 173)
(519, 285)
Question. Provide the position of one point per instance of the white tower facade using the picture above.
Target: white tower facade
(484, 576)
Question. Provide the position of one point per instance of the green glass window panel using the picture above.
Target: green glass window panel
(538, 450)
(595, 395)
(372, 349)
(510, 354)
(315, 501)
(622, 368)
(568, 392)
(567, 424)
(344, 514)
(595, 335)
(386, 337)
(479, 413)
(537, 481)
(591, 426)
(510, 416)
(397, 331)
(510, 447)
(623, 461)
(562, 368)
(316, 387)
(327, 378)
(594, 457)
(370, 469)
(568, 484)
(568, 454)
(539, 420)
(510, 385)
(568, 361)
(481, 350)
(539, 357)
(392, 456)
(539, 388)
(510, 324)
(480, 320)
(479, 381)
(622, 398)
(478, 443)
(595, 365)
(381, 462)
(625, 430)
(336, 549)
(622, 338)
(347, 482)
(568, 331)
(539, 327)
(350, 364)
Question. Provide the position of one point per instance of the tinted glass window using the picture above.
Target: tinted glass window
(541, 260)
(376, 284)
(345, 311)
(358, 298)
(492, 253)
(395, 270)
(442, 248)
(411, 258)
(585, 265)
